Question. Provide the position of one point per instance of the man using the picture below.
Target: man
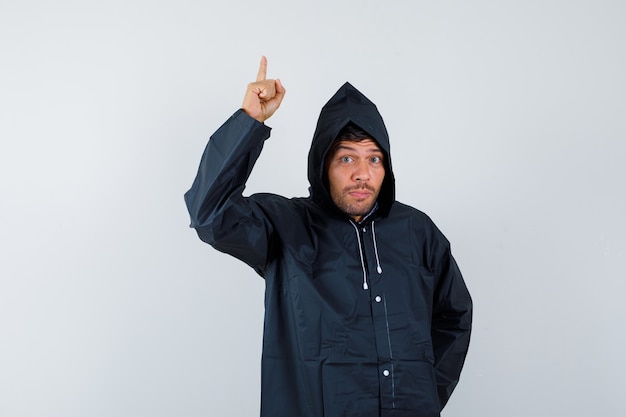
(366, 312)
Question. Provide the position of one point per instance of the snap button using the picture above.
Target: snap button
(378, 299)
(386, 372)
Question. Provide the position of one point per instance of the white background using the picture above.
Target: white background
(508, 127)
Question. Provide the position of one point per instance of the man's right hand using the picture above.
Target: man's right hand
(263, 97)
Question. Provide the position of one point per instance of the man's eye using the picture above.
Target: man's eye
(376, 159)
(346, 159)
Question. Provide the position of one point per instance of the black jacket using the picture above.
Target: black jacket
(363, 320)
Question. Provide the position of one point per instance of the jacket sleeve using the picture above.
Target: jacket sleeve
(220, 214)
(451, 320)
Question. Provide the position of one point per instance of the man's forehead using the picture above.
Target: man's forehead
(369, 145)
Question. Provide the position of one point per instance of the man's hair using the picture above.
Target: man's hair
(352, 133)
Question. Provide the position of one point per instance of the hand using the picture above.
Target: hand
(263, 97)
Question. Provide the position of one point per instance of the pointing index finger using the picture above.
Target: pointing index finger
(262, 69)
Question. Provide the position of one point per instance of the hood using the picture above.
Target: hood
(348, 105)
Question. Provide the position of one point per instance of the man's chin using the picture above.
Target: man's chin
(359, 209)
(355, 208)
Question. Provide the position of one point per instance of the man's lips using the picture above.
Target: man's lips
(360, 193)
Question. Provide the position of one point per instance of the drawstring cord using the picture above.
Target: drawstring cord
(358, 238)
(379, 268)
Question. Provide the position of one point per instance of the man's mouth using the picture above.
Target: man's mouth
(360, 194)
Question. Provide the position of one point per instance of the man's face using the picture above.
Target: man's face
(355, 176)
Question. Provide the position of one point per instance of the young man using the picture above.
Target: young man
(366, 312)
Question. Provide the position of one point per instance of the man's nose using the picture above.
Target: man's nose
(361, 171)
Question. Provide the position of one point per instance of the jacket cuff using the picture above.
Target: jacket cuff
(249, 122)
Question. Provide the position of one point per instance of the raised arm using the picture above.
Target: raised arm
(220, 214)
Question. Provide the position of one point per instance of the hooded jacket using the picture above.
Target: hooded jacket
(368, 319)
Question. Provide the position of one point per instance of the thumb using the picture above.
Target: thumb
(280, 91)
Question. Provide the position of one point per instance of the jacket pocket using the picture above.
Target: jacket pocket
(416, 387)
(350, 390)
